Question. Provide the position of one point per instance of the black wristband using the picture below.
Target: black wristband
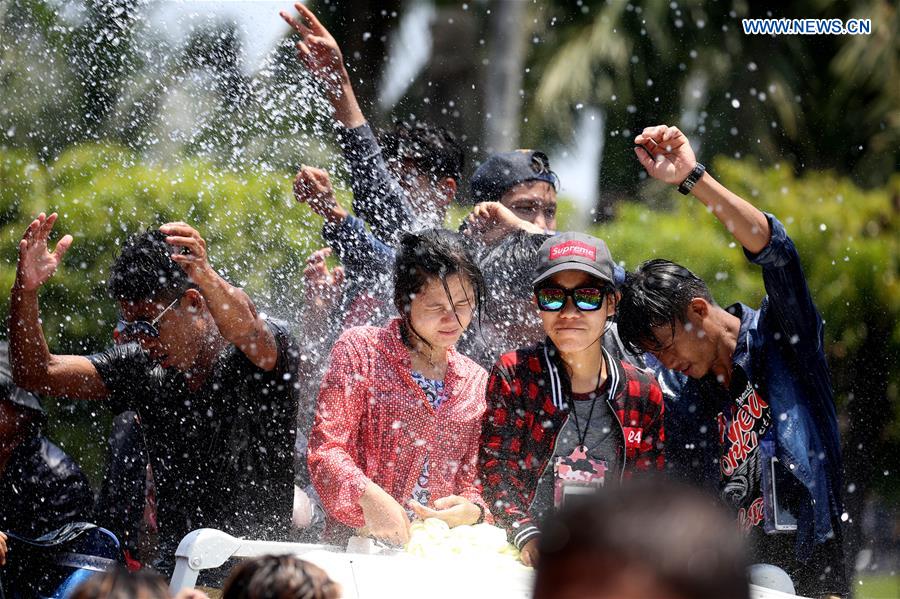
(688, 184)
(480, 513)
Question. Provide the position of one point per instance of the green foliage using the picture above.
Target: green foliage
(257, 236)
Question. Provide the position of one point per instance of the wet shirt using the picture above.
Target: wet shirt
(603, 440)
(373, 425)
(434, 393)
(742, 424)
(222, 455)
(42, 489)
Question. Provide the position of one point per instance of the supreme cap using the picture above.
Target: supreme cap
(574, 251)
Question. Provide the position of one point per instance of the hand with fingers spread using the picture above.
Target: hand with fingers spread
(490, 222)
(453, 509)
(317, 48)
(321, 55)
(665, 153)
(313, 186)
(189, 250)
(321, 286)
(36, 262)
(385, 519)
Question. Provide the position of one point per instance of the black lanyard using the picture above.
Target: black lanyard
(583, 436)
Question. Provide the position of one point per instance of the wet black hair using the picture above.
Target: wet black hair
(145, 271)
(679, 535)
(430, 254)
(656, 295)
(429, 149)
(279, 577)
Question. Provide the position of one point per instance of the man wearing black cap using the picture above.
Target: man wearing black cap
(41, 488)
(515, 211)
(513, 191)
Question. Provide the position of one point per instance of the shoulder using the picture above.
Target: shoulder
(530, 358)
(524, 362)
(125, 367)
(120, 353)
(364, 334)
(640, 383)
(467, 367)
(280, 328)
(52, 466)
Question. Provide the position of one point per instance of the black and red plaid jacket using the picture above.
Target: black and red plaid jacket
(526, 409)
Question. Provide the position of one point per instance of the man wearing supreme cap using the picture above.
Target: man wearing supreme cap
(566, 416)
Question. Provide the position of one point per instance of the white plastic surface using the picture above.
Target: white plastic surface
(758, 592)
(376, 576)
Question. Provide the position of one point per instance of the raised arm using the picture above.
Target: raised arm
(377, 196)
(666, 154)
(231, 308)
(34, 367)
(320, 53)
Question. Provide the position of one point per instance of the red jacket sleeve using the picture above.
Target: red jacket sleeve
(333, 441)
(500, 459)
(651, 454)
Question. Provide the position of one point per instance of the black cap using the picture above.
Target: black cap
(501, 172)
(10, 391)
(574, 251)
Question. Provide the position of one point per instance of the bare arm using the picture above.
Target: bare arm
(671, 160)
(231, 308)
(320, 53)
(34, 367)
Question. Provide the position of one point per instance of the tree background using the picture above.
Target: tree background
(119, 127)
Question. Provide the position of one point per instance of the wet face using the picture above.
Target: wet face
(439, 319)
(428, 194)
(573, 330)
(691, 349)
(534, 201)
(180, 328)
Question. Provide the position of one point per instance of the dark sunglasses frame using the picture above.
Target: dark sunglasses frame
(126, 330)
(570, 293)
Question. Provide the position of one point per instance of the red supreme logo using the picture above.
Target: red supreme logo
(573, 248)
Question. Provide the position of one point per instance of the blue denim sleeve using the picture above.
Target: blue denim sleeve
(378, 198)
(359, 250)
(790, 300)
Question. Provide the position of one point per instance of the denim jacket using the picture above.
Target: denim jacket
(781, 349)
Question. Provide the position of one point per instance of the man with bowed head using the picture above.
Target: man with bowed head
(210, 379)
(759, 401)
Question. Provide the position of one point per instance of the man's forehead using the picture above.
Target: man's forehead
(532, 191)
(665, 334)
(141, 307)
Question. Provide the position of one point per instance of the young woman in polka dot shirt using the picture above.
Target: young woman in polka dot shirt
(399, 412)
